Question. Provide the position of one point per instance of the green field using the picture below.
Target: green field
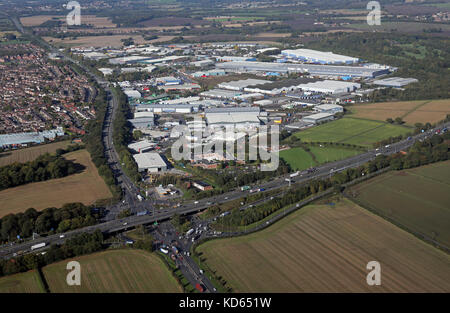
(28, 282)
(331, 154)
(417, 198)
(325, 248)
(111, 271)
(352, 131)
(299, 159)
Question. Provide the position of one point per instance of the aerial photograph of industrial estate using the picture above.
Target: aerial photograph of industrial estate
(210, 148)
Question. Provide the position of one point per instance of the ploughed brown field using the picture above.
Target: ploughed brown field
(325, 248)
(421, 111)
(86, 187)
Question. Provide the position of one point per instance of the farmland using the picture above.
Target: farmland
(416, 198)
(86, 187)
(95, 21)
(115, 271)
(299, 159)
(323, 248)
(100, 41)
(28, 282)
(410, 111)
(352, 131)
(29, 154)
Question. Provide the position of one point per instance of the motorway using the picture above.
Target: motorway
(112, 225)
(154, 214)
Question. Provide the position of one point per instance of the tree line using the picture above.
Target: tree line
(94, 143)
(123, 135)
(81, 244)
(43, 168)
(46, 222)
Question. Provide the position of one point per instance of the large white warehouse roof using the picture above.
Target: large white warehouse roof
(319, 56)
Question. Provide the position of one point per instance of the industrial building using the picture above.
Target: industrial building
(318, 118)
(239, 117)
(208, 73)
(168, 108)
(329, 108)
(141, 146)
(220, 94)
(143, 114)
(315, 56)
(168, 80)
(396, 82)
(278, 87)
(184, 87)
(312, 69)
(142, 123)
(20, 139)
(128, 60)
(150, 162)
(330, 87)
(238, 85)
(202, 63)
(131, 93)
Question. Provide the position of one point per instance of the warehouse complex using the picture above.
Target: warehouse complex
(315, 56)
(312, 69)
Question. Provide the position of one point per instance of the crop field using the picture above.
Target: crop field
(28, 282)
(299, 159)
(115, 271)
(352, 131)
(410, 111)
(416, 198)
(29, 154)
(95, 21)
(96, 41)
(405, 27)
(325, 248)
(86, 187)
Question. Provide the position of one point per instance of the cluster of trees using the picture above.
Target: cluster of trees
(434, 149)
(123, 135)
(94, 144)
(397, 120)
(51, 220)
(44, 167)
(180, 222)
(82, 244)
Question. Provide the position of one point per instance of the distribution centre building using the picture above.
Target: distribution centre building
(321, 57)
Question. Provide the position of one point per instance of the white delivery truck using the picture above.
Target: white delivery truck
(190, 231)
(38, 246)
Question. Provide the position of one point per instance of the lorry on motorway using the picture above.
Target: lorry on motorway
(199, 287)
(142, 213)
(164, 250)
(261, 189)
(224, 214)
(38, 246)
(244, 188)
(190, 231)
(294, 174)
